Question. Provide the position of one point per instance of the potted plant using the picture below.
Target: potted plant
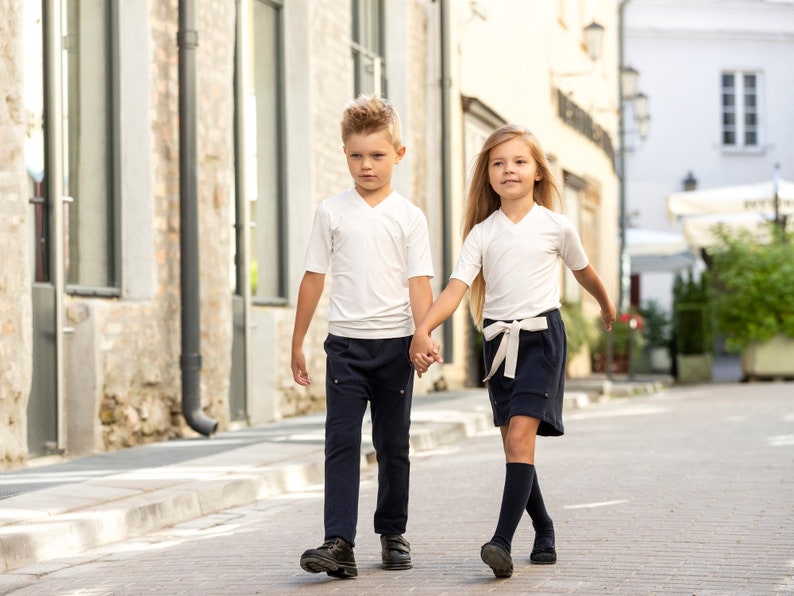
(693, 335)
(627, 342)
(657, 334)
(753, 307)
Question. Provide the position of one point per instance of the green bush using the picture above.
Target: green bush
(754, 288)
(657, 324)
(579, 330)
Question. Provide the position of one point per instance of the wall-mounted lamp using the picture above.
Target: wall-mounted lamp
(593, 40)
(690, 182)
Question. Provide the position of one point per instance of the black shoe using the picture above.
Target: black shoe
(498, 558)
(543, 552)
(543, 556)
(395, 552)
(335, 557)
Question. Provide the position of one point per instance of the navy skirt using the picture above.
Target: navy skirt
(539, 384)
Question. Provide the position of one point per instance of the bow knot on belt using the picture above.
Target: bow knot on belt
(508, 347)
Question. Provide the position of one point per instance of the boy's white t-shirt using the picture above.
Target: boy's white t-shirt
(371, 252)
(520, 262)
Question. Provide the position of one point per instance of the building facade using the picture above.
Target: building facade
(130, 127)
(718, 76)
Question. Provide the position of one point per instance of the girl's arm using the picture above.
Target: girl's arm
(590, 281)
(422, 351)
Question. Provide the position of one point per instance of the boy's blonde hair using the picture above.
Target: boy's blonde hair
(483, 199)
(369, 113)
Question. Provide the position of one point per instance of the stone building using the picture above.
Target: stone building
(102, 96)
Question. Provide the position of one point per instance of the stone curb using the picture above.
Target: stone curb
(49, 534)
(71, 519)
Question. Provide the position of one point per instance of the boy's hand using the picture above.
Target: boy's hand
(298, 366)
(423, 352)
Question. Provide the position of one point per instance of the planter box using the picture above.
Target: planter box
(771, 359)
(694, 368)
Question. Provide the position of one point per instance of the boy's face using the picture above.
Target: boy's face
(371, 159)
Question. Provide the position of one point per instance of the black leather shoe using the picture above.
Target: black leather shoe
(395, 552)
(543, 556)
(497, 558)
(335, 557)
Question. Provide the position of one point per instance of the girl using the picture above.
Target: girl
(509, 264)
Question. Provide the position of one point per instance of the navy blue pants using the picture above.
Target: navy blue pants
(378, 372)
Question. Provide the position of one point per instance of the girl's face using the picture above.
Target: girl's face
(512, 171)
(371, 159)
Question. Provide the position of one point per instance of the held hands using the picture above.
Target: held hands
(423, 352)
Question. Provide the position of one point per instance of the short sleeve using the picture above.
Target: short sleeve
(318, 252)
(470, 259)
(572, 252)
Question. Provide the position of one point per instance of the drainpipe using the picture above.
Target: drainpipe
(446, 162)
(190, 361)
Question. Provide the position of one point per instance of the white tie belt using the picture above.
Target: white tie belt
(508, 347)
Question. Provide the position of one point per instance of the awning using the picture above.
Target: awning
(655, 250)
(747, 207)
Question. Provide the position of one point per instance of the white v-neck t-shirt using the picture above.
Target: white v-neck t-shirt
(372, 252)
(520, 261)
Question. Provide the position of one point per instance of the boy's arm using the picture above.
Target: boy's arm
(309, 293)
(422, 351)
(421, 296)
(590, 281)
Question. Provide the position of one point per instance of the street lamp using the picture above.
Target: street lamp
(628, 83)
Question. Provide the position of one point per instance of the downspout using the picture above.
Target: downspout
(446, 164)
(190, 361)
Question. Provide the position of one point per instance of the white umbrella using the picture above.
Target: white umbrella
(744, 198)
(746, 207)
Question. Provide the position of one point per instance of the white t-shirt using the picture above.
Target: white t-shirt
(520, 262)
(371, 252)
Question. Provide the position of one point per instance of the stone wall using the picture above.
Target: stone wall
(133, 392)
(15, 300)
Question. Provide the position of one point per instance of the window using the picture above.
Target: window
(367, 46)
(260, 145)
(740, 118)
(87, 116)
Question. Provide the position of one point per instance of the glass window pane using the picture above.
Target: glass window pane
(88, 217)
(749, 81)
(263, 153)
(728, 138)
(750, 138)
(34, 140)
(727, 81)
(367, 51)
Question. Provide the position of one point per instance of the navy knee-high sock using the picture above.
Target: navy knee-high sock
(541, 521)
(518, 483)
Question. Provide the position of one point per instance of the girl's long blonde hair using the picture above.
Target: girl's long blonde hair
(483, 200)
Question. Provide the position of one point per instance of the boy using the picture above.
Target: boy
(377, 246)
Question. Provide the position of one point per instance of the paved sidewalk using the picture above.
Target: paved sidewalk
(71, 506)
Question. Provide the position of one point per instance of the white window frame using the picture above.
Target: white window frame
(741, 111)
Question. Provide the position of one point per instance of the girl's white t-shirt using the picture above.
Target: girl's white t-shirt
(520, 262)
(371, 252)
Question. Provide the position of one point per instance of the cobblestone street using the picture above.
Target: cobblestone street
(688, 491)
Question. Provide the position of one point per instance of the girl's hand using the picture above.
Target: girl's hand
(423, 352)
(608, 316)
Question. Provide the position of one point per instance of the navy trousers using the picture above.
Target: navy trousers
(377, 372)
